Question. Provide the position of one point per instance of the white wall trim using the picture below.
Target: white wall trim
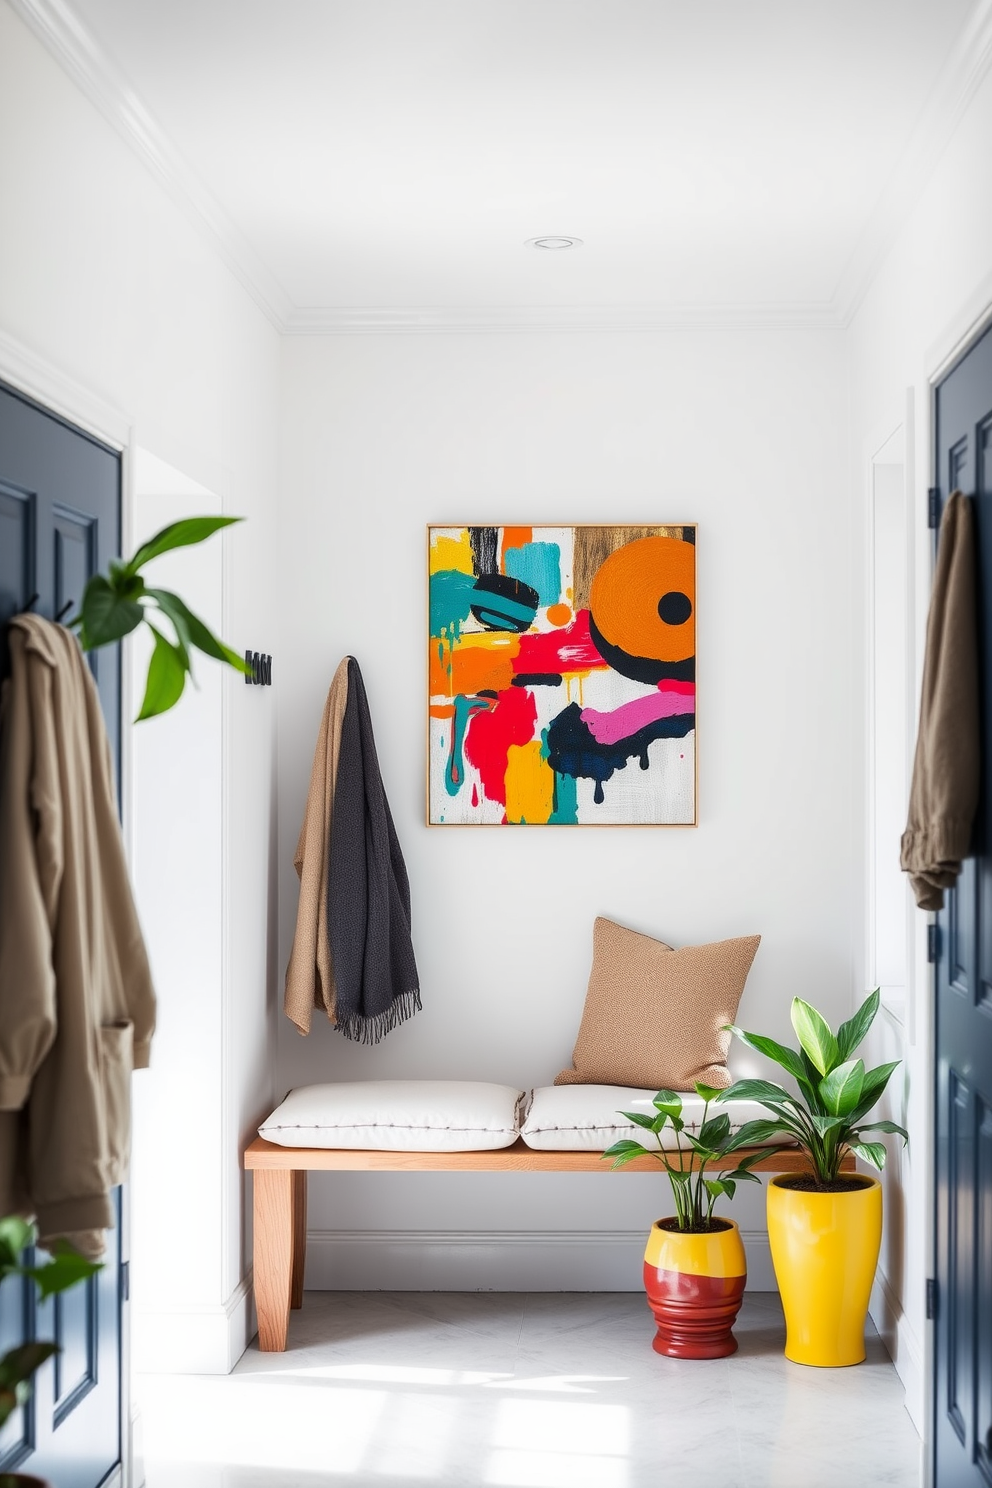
(959, 80)
(32, 374)
(494, 1260)
(62, 32)
(473, 319)
(201, 1339)
(905, 1348)
(973, 318)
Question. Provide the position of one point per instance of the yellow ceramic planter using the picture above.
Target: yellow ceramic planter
(824, 1250)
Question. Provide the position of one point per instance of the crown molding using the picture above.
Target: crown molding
(471, 320)
(959, 80)
(80, 55)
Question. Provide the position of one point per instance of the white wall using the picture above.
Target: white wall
(109, 300)
(740, 432)
(934, 284)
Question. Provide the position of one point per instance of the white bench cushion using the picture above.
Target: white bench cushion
(398, 1116)
(584, 1118)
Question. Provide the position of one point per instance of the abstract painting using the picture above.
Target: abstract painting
(562, 676)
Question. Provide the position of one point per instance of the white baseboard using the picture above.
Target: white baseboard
(905, 1348)
(494, 1261)
(194, 1340)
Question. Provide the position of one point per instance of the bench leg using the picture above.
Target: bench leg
(299, 1234)
(274, 1190)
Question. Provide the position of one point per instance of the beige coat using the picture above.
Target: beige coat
(310, 975)
(77, 1008)
(946, 771)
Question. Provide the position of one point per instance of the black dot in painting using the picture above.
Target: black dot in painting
(675, 607)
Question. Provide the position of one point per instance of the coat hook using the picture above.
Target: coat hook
(259, 671)
(30, 604)
(64, 610)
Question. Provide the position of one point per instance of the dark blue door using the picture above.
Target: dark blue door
(963, 1341)
(60, 521)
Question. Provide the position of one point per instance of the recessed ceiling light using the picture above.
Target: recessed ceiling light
(553, 243)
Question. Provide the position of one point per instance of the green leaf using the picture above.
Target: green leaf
(787, 1058)
(639, 1119)
(718, 1186)
(668, 1101)
(885, 1126)
(825, 1124)
(814, 1034)
(851, 1033)
(707, 1093)
(875, 1082)
(184, 534)
(753, 1133)
(166, 678)
(66, 1268)
(714, 1131)
(840, 1091)
(680, 1177)
(192, 631)
(870, 1152)
(15, 1235)
(743, 1168)
(21, 1362)
(625, 1152)
(758, 1090)
(107, 615)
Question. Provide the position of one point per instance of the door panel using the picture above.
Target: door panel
(60, 495)
(963, 1049)
(60, 523)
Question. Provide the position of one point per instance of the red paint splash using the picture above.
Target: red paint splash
(570, 649)
(490, 734)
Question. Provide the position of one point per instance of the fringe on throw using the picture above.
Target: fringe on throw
(365, 1030)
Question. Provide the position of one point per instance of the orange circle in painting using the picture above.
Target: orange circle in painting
(559, 614)
(636, 586)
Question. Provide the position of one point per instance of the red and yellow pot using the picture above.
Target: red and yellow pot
(695, 1284)
(824, 1250)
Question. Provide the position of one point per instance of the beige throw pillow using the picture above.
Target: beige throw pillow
(654, 1016)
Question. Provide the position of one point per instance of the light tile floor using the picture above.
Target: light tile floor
(525, 1390)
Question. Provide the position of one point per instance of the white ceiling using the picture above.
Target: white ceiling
(382, 162)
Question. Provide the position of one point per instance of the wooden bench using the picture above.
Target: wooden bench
(280, 1202)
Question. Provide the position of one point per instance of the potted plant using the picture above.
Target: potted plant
(824, 1226)
(64, 1270)
(694, 1265)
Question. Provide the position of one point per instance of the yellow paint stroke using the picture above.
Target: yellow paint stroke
(451, 553)
(530, 784)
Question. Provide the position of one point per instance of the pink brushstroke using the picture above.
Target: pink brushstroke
(610, 728)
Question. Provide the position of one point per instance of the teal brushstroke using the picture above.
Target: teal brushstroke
(566, 802)
(539, 565)
(451, 602)
(509, 609)
(454, 770)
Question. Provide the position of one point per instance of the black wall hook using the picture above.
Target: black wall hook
(260, 673)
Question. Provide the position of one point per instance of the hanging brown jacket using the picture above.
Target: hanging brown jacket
(77, 1007)
(946, 770)
(310, 975)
